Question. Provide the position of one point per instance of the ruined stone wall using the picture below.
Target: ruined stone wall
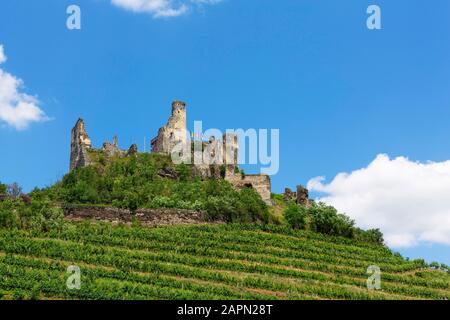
(260, 182)
(171, 135)
(148, 217)
(301, 196)
(80, 143)
(230, 153)
(112, 149)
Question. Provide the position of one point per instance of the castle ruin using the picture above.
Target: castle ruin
(222, 156)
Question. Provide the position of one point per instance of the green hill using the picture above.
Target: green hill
(216, 261)
(285, 251)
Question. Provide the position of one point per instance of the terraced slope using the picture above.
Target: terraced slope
(205, 262)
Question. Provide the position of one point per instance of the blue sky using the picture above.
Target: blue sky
(339, 93)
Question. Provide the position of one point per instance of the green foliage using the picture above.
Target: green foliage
(277, 197)
(133, 183)
(295, 215)
(14, 190)
(223, 171)
(216, 261)
(183, 171)
(3, 188)
(325, 219)
(435, 265)
(371, 235)
(40, 215)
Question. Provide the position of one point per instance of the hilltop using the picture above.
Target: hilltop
(228, 237)
(283, 251)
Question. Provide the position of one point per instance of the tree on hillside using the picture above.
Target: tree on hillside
(14, 190)
(295, 215)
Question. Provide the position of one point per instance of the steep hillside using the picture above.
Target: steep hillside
(221, 261)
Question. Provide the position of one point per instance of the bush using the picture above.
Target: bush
(3, 188)
(325, 219)
(134, 183)
(251, 207)
(10, 213)
(371, 235)
(295, 215)
(223, 171)
(40, 215)
(435, 265)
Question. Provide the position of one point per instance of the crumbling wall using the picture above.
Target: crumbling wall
(148, 217)
(174, 134)
(80, 143)
(260, 182)
(300, 197)
(112, 149)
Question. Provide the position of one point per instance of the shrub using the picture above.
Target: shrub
(326, 220)
(223, 171)
(3, 188)
(45, 217)
(134, 182)
(435, 265)
(371, 235)
(10, 213)
(219, 208)
(14, 190)
(295, 215)
(40, 215)
(251, 207)
(183, 172)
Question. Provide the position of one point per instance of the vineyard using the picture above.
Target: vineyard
(216, 261)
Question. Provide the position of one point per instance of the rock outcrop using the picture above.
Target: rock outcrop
(302, 195)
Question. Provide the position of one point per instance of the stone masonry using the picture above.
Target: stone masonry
(174, 134)
(80, 143)
(300, 197)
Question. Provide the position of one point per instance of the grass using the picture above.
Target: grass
(205, 262)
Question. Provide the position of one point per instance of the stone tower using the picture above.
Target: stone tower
(174, 132)
(230, 152)
(79, 144)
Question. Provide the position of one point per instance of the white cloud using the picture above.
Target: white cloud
(409, 201)
(2, 54)
(162, 8)
(17, 109)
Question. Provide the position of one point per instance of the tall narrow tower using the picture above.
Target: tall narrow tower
(174, 132)
(79, 144)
